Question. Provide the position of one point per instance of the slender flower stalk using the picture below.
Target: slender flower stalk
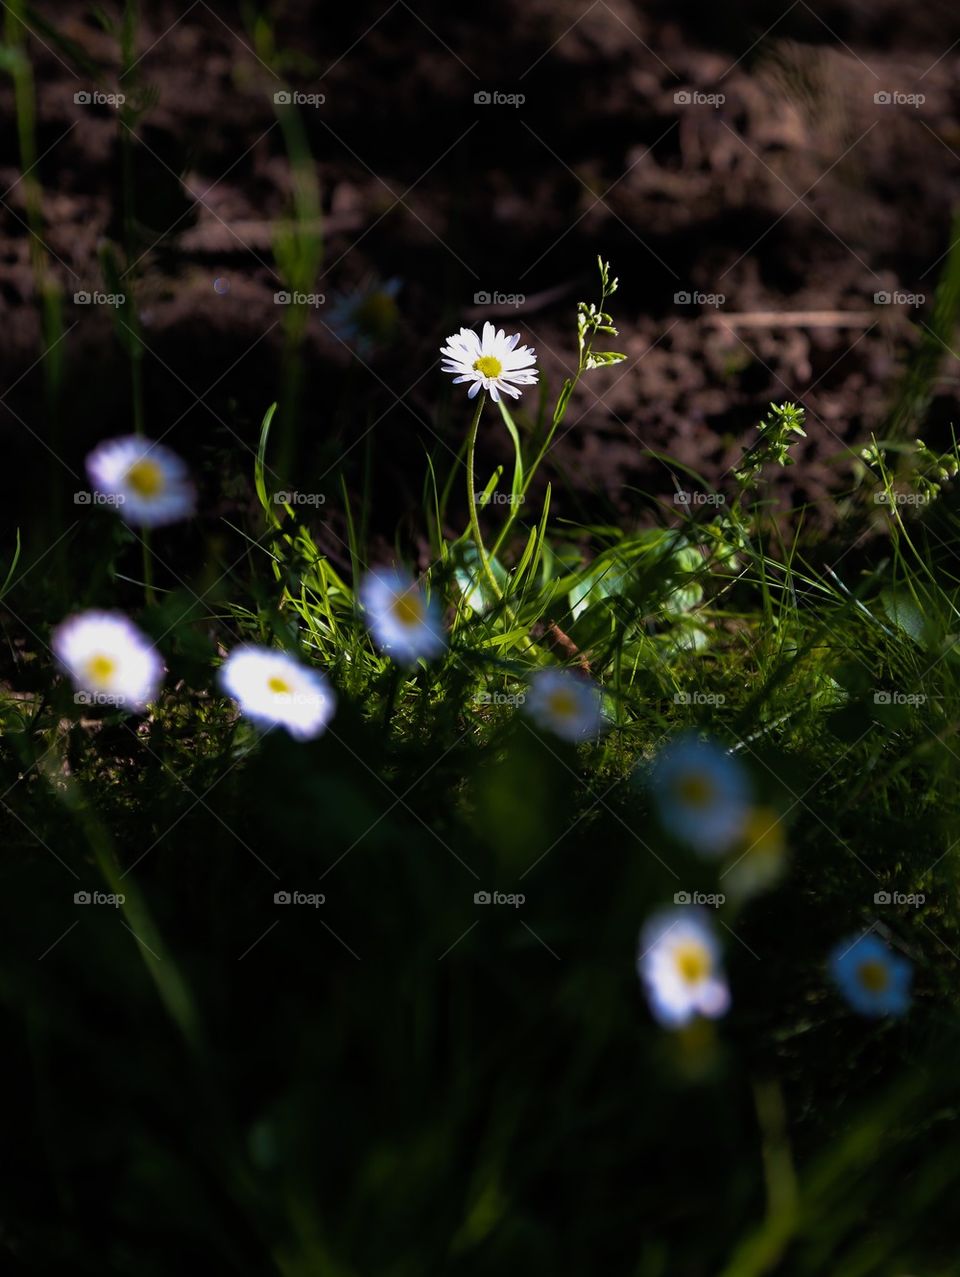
(472, 502)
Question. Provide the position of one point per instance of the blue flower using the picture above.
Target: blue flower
(872, 978)
(702, 793)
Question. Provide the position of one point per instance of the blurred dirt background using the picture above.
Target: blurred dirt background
(737, 153)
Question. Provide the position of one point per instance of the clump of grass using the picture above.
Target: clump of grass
(274, 1055)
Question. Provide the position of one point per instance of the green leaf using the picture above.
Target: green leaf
(904, 612)
(516, 488)
(260, 467)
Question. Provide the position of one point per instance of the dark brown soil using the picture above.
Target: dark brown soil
(797, 198)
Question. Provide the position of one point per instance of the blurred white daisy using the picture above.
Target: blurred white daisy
(403, 622)
(150, 484)
(108, 659)
(567, 704)
(277, 691)
(679, 964)
(367, 317)
(492, 362)
(703, 794)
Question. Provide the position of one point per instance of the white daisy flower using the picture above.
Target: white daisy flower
(703, 793)
(492, 362)
(108, 659)
(149, 483)
(275, 690)
(679, 964)
(567, 704)
(403, 622)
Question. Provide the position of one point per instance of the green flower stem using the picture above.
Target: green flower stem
(527, 644)
(472, 502)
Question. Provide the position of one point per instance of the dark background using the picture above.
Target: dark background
(797, 194)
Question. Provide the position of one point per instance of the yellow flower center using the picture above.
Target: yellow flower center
(279, 685)
(695, 790)
(408, 608)
(873, 975)
(562, 704)
(101, 668)
(487, 366)
(146, 478)
(693, 961)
